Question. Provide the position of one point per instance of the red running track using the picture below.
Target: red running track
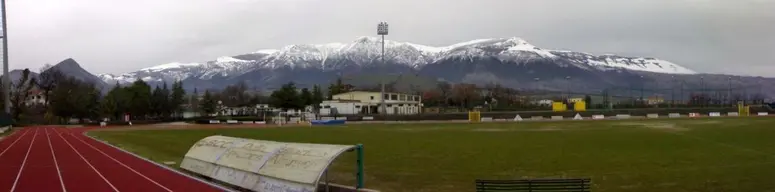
(49, 159)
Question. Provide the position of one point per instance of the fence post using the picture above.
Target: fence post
(359, 174)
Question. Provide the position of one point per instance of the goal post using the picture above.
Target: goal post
(742, 109)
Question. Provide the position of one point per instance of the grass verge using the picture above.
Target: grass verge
(721, 154)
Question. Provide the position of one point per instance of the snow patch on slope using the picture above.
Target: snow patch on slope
(170, 66)
(267, 51)
(610, 61)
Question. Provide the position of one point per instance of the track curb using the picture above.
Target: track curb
(160, 165)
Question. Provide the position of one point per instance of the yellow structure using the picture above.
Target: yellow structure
(580, 106)
(474, 116)
(559, 106)
(742, 109)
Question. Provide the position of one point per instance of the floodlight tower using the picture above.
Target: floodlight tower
(6, 75)
(382, 30)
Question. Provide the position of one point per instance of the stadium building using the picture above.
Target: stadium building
(363, 102)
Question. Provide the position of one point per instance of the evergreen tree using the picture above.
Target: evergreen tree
(74, 98)
(208, 104)
(332, 90)
(139, 94)
(337, 88)
(166, 101)
(157, 102)
(305, 97)
(588, 100)
(110, 105)
(317, 94)
(286, 97)
(317, 97)
(176, 97)
(193, 101)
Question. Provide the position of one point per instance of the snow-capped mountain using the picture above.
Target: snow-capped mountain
(605, 62)
(221, 67)
(312, 63)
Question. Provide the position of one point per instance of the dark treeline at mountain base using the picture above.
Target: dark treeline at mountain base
(54, 98)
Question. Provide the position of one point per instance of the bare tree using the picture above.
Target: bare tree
(465, 94)
(48, 81)
(235, 95)
(20, 92)
(445, 89)
(45, 68)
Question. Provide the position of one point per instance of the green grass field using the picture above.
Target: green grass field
(723, 154)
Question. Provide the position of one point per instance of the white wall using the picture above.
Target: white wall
(341, 108)
(349, 108)
(402, 109)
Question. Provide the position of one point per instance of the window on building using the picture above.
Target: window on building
(389, 105)
(326, 106)
(403, 97)
(416, 98)
(394, 97)
(400, 105)
(372, 97)
(357, 106)
(386, 96)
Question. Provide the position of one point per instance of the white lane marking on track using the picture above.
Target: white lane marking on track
(87, 162)
(164, 166)
(119, 162)
(14, 142)
(21, 169)
(59, 173)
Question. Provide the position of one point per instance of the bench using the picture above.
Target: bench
(558, 185)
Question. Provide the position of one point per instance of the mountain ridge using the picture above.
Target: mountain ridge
(364, 52)
(68, 67)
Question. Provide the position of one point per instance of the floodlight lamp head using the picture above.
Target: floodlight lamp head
(382, 28)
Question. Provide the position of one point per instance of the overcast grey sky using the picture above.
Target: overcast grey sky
(117, 36)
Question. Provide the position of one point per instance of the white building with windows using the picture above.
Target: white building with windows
(363, 102)
(35, 97)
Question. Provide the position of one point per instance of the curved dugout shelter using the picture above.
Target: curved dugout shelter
(266, 165)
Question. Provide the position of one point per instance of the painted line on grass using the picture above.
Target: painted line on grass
(87, 162)
(122, 164)
(160, 165)
(14, 142)
(21, 169)
(56, 164)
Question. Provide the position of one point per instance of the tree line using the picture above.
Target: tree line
(61, 97)
(290, 97)
(64, 97)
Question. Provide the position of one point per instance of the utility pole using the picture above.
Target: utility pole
(6, 75)
(642, 85)
(682, 90)
(382, 30)
(567, 87)
(729, 91)
(702, 91)
(672, 91)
